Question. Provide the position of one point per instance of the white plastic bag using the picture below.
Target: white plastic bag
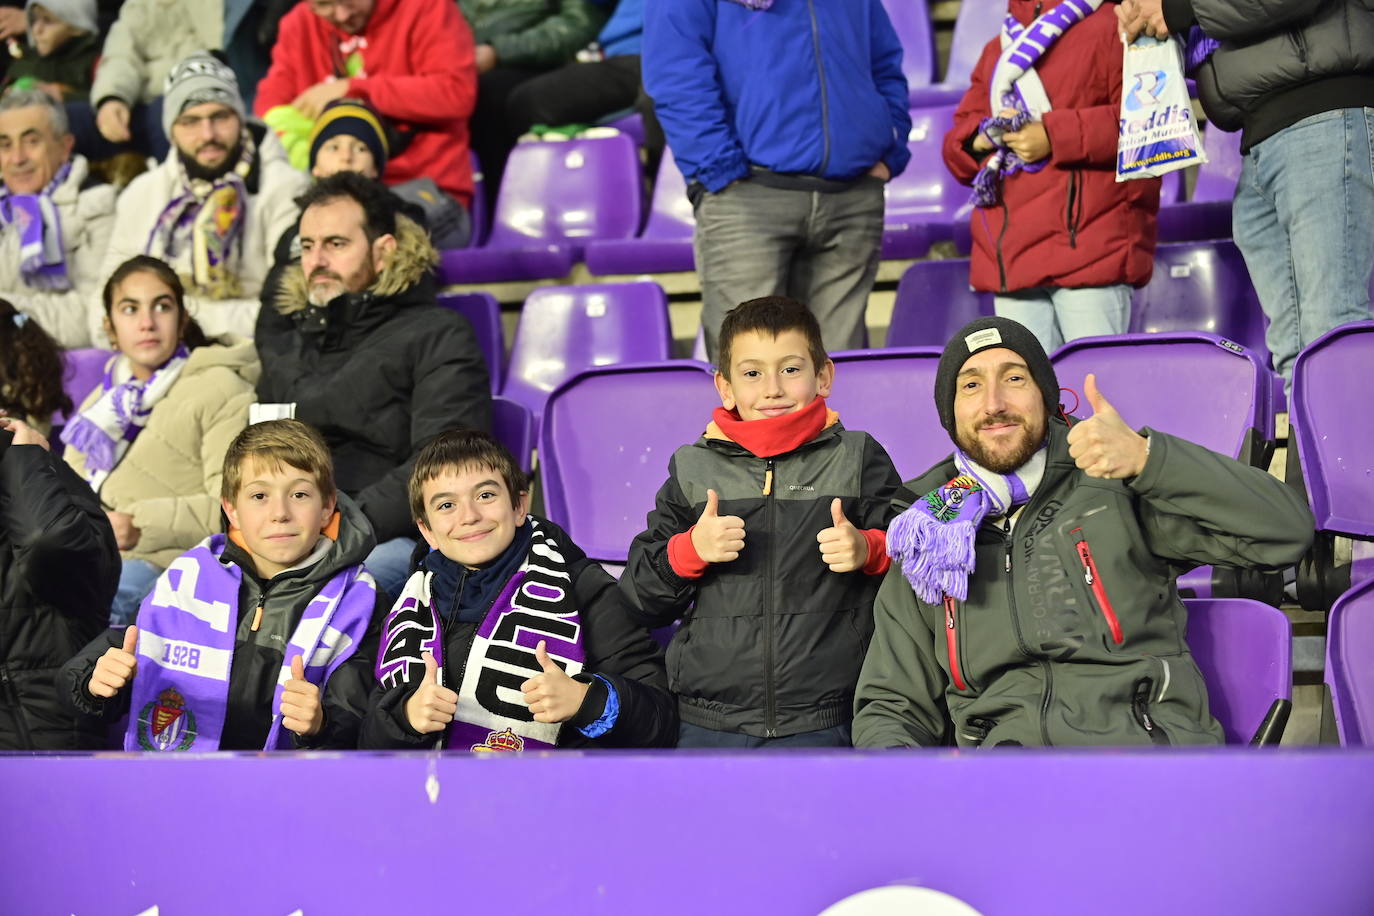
(1158, 133)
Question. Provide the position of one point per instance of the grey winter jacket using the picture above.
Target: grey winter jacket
(1269, 47)
(1073, 631)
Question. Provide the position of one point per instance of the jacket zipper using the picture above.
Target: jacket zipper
(1090, 576)
(770, 724)
(952, 644)
(825, 99)
(1021, 640)
(12, 696)
(1001, 264)
(1140, 706)
(1069, 221)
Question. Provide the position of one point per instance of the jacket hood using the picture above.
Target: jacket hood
(408, 265)
(239, 356)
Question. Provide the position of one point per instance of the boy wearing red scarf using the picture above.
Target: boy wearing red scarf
(768, 539)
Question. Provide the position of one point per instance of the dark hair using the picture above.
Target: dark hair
(771, 315)
(462, 449)
(191, 334)
(30, 367)
(379, 204)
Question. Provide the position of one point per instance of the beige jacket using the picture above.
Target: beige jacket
(169, 478)
(147, 40)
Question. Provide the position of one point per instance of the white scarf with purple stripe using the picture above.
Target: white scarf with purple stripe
(42, 253)
(933, 540)
(187, 631)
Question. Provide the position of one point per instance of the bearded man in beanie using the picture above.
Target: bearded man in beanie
(216, 206)
(1032, 598)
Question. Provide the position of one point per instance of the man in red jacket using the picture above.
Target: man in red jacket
(1055, 237)
(412, 60)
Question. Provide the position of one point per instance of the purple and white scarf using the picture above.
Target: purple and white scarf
(1015, 84)
(208, 218)
(42, 255)
(187, 630)
(536, 603)
(104, 431)
(933, 540)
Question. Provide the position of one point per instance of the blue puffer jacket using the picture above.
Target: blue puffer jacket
(810, 87)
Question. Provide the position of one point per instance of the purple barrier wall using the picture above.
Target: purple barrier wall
(1228, 831)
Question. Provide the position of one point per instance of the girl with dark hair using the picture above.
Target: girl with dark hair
(30, 371)
(150, 439)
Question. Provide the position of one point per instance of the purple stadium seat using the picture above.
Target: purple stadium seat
(1349, 673)
(628, 121)
(1201, 286)
(555, 197)
(1207, 215)
(1244, 650)
(665, 246)
(978, 23)
(483, 312)
(604, 445)
(1186, 383)
(513, 426)
(933, 301)
(890, 394)
(922, 201)
(565, 329)
(82, 371)
(911, 21)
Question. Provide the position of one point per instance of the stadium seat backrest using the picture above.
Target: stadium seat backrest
(565, 329)
(483, 312)
(1189, 384)
(925, 190)
(82, 371)
(569, 190)
(670, 215)
(889, 394)
(933, 301)
(1217, 177)
(911, 21)
(978, 23)
(1244, 650)
(512, 424)
(1201, 286)
(604, 444)
(1349, 672)
(1334, 428)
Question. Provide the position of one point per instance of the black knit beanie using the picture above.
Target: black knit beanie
(352, 118)
(986, 334)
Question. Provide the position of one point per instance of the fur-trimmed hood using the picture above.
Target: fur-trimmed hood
(410, 264)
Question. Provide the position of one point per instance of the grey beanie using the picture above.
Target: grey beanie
(986, 334)
(79, 14)
(197, 79)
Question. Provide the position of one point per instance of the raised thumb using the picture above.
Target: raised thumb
(130, 639)
(1098, 403)
(541, 655)
(431, 669)
(298, 668)
(837, 513)
(712, 504)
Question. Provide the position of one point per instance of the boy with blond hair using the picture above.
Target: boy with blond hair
(768, 539)
(258, 639)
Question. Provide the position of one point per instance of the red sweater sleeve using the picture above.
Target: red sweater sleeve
(683, 556)
(442, 82)
(878, 560)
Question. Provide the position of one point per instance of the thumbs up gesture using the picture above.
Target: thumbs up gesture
(843, 547)
(300, 702)
(1103, 445)
(552, 696)
(717, 538)
(115, 668)
(431, 707)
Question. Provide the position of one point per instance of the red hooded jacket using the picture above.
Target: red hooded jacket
(413, 62)
(1070, 224)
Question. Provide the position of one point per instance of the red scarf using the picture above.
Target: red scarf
(771, 436)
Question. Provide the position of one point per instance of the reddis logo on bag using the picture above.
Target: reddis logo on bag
(1145, 93)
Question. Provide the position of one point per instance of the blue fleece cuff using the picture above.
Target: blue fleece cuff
(608, 715)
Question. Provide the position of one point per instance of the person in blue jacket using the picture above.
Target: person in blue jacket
(786, 117)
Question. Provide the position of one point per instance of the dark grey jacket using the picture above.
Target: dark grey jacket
(770, 644)
(1280, 60)
(1042, 653)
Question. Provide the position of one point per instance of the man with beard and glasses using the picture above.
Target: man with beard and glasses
(369, 359)
(1032, 598)
(215, 207)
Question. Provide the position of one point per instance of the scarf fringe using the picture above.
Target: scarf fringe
(89, 439)
(936, 558)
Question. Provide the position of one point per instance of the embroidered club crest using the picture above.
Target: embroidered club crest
(501, 742)
(166, 724)
(945, 503)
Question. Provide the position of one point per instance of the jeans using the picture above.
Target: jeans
(1057, 315)
(389, 563)
(1304, 220)
(818, 248)
(136, 580)
(696, 736)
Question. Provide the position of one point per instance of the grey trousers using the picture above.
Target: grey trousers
(818, 248)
